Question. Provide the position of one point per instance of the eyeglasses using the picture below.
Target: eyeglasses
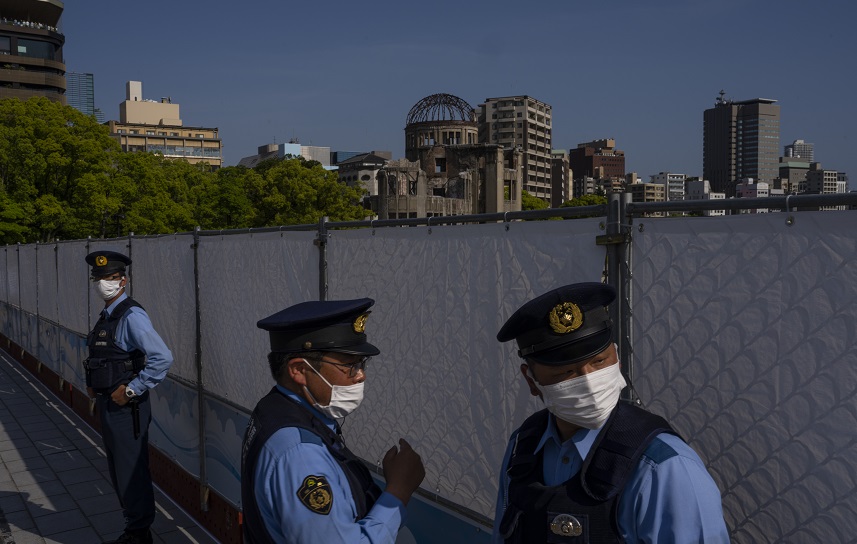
(353, 368)
(111, 277)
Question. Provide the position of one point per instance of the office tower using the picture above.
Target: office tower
(521, 121)
(740, 140)
(31, 49)
(800, 149)
(598, 159)
(155, 126)
(80, 92)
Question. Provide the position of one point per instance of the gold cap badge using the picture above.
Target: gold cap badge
(359, 324)
(101, 260)
(566, 318)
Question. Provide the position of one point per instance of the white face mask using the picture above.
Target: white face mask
(344, 399)
(585, 401)
(108, 289)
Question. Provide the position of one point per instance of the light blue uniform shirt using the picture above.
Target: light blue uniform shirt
(135, 331)
(283, 464)
(670, 498)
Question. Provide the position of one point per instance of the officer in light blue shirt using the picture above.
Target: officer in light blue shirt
(126, 359)
(590, 468)
(299, 482)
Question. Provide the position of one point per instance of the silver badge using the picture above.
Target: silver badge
(566, 525)
(102, 334)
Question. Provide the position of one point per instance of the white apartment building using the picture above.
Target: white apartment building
(513, 121)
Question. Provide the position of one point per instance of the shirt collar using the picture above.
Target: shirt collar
(582, 439)
(302, 401)
(116, 302)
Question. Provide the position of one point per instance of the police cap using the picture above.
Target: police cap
(563, 326)
(104, 263)
(330, 325)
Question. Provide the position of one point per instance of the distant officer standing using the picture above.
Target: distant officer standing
(126, 359)
(299, 483)
(589, 468)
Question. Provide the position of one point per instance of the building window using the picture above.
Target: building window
(439, 165)
(150, 132)
(200, 135)
(135, 131)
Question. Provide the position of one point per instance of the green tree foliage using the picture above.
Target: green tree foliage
(585, 200)
(47, 151)
(296, 192)
(63, 176)
(530, 202)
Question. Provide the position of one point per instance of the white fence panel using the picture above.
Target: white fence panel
(74, 287)
(27, 259)
(243, 278)
(162, 282)
(46, 258)
(745, 337)
(442, 380)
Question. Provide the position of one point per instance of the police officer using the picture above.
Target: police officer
(299, 483)
(590, 468)
(127, 358)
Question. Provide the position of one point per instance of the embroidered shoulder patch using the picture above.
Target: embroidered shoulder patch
(316, 495)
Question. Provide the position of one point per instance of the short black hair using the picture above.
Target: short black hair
(277, 361)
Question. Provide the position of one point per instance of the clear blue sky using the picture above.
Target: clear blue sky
(345, 74)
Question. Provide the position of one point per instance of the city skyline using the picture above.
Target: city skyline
(347, 77)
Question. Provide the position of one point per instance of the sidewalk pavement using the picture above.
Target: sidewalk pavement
(54, 483)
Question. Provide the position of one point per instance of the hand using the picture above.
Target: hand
(403, 470)
(118, 396)
(91, 392)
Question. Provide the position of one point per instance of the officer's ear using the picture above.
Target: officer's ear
(296, 367)
(534, 391)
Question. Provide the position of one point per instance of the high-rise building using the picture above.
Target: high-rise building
(155, 126)
(80, 92)
(597, 159)
(800, 149)
(521, 121)
(31, 48)
(740, 140)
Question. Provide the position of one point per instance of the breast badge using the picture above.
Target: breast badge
(316, 495)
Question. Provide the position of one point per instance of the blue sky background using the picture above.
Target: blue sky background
(345, 74)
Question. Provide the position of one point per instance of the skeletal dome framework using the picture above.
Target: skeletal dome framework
(441, 107)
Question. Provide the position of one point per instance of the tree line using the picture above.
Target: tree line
(62, 176)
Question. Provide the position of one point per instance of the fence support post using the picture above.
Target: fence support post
(200, 382)
(618, 242)
(321, 242)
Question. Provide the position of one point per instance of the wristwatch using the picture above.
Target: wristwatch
(130, 392)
